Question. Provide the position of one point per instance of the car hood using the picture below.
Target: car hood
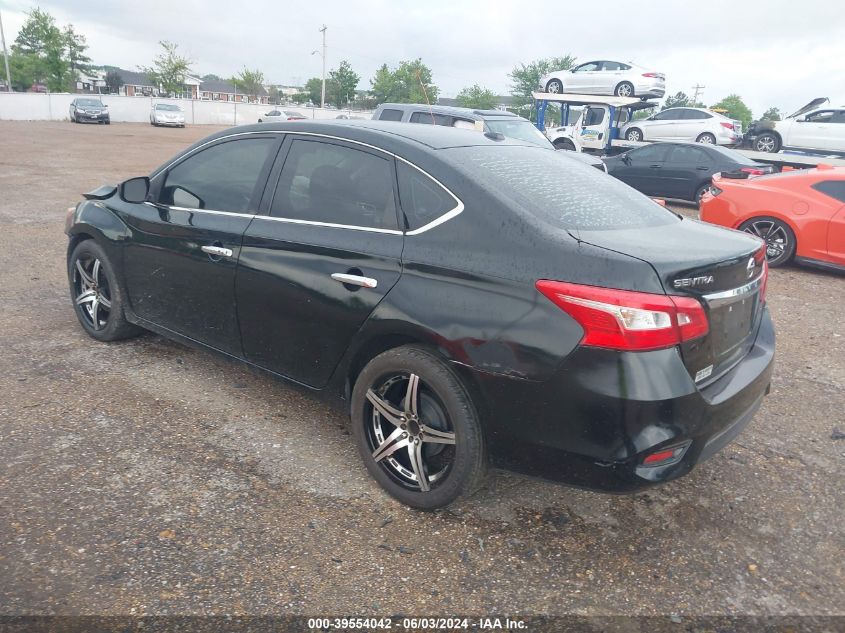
(815, 103)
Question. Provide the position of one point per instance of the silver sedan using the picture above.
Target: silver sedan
(606, 77)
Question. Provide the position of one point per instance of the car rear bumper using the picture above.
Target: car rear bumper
(604, 412)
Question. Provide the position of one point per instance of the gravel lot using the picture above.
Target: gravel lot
(145, 477)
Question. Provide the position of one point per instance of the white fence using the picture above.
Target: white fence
(31, 106)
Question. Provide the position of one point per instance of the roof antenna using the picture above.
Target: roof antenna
(425, 92)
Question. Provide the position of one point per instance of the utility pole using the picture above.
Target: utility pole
(697, 89)
(323, 93)
(5, 56)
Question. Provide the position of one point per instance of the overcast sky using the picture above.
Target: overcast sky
(774, 53)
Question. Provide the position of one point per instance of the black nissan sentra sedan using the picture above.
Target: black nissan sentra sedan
(470, 300)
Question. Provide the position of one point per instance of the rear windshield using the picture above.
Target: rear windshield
(733, 155)
(521, 130)
(560, 192)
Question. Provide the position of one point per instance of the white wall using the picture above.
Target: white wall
(32, 106)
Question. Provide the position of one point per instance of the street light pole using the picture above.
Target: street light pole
(6, 56)
(323, 92)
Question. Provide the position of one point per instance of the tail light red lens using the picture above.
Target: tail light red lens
(752, 171)
(666, 456)
(649, 74)
(760, 256)
(727, 124)
(625, 320)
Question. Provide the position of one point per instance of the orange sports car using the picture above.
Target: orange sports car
(800, 214)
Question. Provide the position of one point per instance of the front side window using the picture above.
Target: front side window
(672, 114)
(423, 200)
(518, 129)
(335, 184)
(588, 67)
(222, 177)
(833, 188)
(390, 114)
(820, 117)
(594, 116)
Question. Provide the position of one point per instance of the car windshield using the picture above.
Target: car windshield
(521, 130)
(89, 102)
(168, 107)
(557, 190)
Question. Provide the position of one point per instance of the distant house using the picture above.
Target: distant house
(91, 82)
(220, 90)
(138, 84)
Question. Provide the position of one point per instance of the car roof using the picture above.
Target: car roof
(470, 113)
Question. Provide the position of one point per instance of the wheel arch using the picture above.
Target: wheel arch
(777, 215)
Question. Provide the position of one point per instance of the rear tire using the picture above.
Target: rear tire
(555, 86)
(634, 134)
(624, 89)
(96, 295)
(426, 416)
(707, 139)
(767, 142)
(780, 240)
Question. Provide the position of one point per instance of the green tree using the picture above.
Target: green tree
(313, 89)
(477, 97)
(772, 114)
(736, 109)
(211, 77)
(113, 81)
(410, 82)
(169, 69)
(249, 82)
(343, 83)
(76, 45)
(43, 44)
(642, 114)
(525, 78)
(24, 71)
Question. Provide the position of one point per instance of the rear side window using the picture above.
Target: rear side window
(657, 153)
(689, 155)
(556, 190)
(324, 182)
(427, 118)
(389, 114)
(423, 200)
(833, 188)
(696, 114)
(222, 177)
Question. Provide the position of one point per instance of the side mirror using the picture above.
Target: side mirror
(801, 119)
(135, 190)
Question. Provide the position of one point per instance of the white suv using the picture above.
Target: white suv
(820, 129)
(684, 124)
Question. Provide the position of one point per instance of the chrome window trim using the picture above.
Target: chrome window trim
(745, 289)
(212, 211)
(454, 212)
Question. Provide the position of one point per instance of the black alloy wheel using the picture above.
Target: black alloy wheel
(416, 428)
(95, 293)
(779, 238)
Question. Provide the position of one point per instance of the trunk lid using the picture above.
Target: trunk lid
(722, 269)
(815, 103)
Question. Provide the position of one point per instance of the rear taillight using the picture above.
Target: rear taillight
(649, 74)
(727, 124)
(752, 171)
(666, 456)
(627, 320)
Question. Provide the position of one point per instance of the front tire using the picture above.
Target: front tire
(96, 295)
(417, 429)
(554, 86)
(767, 142)
(565, 144)
(779, 238)
(624, 89)
(707, 139)
(634, 134)
(699, 193)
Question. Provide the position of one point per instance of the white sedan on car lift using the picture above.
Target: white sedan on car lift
(684, 124)
(605, 77)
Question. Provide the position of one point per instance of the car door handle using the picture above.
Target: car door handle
(355, 280)
(217, 251)
(702, 168)
(656, 166)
